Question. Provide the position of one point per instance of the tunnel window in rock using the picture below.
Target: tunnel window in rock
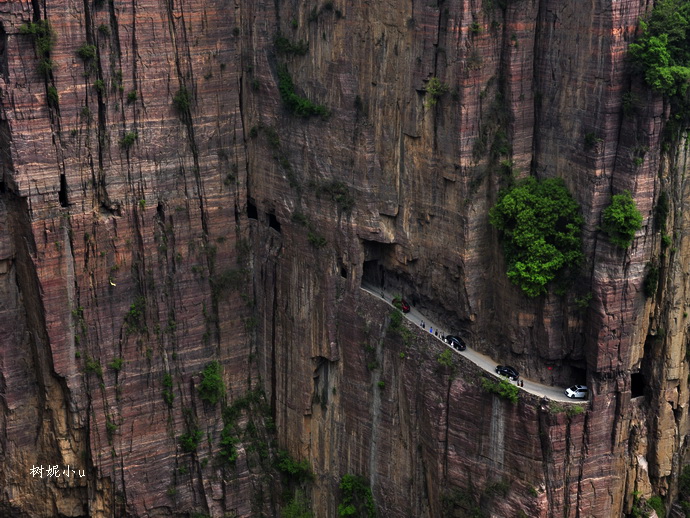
(637, 384)
(252, 212)
(273, 222)
(62, 195)
(4, 69)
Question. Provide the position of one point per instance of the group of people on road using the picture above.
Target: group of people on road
(436, 333)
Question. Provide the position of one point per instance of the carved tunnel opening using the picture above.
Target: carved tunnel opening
(62, 195)
(381, 269)
(637, 384)
(252, 212)
(578, 375)
(376, 257)
(273, 222)
(4, 68)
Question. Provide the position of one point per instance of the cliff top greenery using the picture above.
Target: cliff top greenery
(540, 226)
(662, 52)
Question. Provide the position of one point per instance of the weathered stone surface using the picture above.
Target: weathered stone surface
(170, 211)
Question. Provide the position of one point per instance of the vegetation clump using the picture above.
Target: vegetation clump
(134, 319)
(116, 364)
(87, 52)
(502, 388)
(53, 97)
(297, 471)
(356, 498)
(662, 52)
(297, 507)
(211, 388)
(189, 441)
(44, 41)
(684, 489)
(168, 394)
(621, 220)
(228, 452)
(300, 106)
(651, 281)
(338, 192)
(434, 89)
(285, 46)
(182, 100)
(316, 240)
(128, 139)
(540, 225)
(445, 358)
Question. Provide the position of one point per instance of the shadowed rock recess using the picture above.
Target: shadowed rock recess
(186, 182)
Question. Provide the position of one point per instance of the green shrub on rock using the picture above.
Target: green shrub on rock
(540, 225)
(621, 220)
(662, 52)
(211, 388)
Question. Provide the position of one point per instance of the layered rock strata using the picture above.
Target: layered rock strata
(163, 209)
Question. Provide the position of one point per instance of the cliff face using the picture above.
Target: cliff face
(163, 209)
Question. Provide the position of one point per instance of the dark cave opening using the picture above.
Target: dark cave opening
(273, 222)
(62, 195)
(373, 273)
(252, 212)
(579, 375)
(376, 256)
(637, 384)
(4, 67)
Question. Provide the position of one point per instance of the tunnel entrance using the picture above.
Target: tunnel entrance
(637, 384)
(252, 212)
(376, 257)
(273, 222)
(579, 375)
(382, 270)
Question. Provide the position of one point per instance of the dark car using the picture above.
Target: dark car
(402, 304)
(507, 371)
(456, 342)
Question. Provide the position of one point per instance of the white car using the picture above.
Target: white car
(576, 392)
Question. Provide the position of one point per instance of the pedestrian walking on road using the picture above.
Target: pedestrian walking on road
(422, 324)
(431, 330)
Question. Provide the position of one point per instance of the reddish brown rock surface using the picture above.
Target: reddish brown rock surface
(168, 211)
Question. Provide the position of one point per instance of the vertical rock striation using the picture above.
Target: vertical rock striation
(162, 208)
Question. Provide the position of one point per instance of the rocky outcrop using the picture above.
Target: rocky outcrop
(163, 209)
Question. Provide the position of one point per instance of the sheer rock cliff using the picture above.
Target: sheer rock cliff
(162, 208)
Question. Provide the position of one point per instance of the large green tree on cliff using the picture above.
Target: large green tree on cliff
(662, 52)
(540, 226)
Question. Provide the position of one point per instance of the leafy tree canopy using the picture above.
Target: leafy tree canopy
(540, 225)
(662, 52)
(621, 220)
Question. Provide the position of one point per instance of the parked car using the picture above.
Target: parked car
(576, 392)
(507, 371)
(456, 342)
(402, 304)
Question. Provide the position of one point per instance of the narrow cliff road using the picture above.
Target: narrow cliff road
(483, 361)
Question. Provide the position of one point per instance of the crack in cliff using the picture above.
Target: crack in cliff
(54, 423)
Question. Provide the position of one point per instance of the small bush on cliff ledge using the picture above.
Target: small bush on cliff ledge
(300, 106)
(540, 226)
(356, 497)
(503, 388)
(621, 220)
(434, 89)
(211, 388)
